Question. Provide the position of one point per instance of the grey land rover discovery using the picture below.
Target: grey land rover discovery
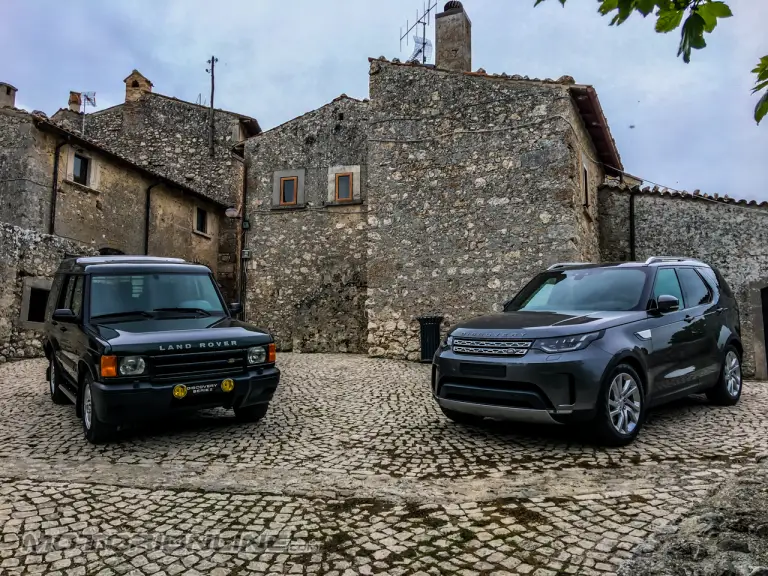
(596, 343)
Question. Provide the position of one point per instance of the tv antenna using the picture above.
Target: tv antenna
(423, 49)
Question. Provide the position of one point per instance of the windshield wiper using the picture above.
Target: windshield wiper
(142, 313)
(190, 310)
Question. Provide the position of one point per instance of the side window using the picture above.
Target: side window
(76, 304)
(667, 285)
(695, 290)
(65, 296)
(56, 289)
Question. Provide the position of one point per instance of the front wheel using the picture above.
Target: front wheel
(251, 413)
(727, 391)
(621, 407)
(94, 430)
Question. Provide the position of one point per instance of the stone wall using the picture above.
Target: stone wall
(473, 190)
(25, 171)
(731, 237)
(26, 255)
(306, 281)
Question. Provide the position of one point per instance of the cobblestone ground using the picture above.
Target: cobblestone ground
(353, 471)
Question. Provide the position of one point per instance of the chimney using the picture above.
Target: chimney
(136, 85)
(453, 39)
(75, 101)
(7, 95)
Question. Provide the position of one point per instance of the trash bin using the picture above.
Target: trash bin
(430, 336)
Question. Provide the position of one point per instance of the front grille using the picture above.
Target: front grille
(492, 347)
(197, 365)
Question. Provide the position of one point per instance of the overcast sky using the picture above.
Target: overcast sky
(693, 125)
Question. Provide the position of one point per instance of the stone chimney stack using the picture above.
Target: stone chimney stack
(75, 101)
(453, 39)
(7, 95)
(136, 85)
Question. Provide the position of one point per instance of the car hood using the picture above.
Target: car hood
(541, 324)
(159, 335)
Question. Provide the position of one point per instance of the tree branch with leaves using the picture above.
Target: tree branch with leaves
(697, 17)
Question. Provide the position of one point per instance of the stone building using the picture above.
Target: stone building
(172, 137)
(61, 192)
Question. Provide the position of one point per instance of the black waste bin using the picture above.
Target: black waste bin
(430, 336)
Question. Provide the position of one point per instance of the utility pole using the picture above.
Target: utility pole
(212, 63)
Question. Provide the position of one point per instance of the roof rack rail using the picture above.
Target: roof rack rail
(566, 265)
(654, 259)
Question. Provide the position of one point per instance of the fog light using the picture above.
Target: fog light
(179, 391)
(228, 385)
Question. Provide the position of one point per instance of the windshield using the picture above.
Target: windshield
(149, 294)
(591, 289)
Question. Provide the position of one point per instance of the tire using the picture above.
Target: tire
(621, 407)
(251, 414)
(94, 430)
(727, 391)
(54, 388)
(462, 417)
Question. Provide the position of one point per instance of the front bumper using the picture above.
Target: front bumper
(537, 387)
(118, 402)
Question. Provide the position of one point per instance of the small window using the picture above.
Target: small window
(80, 172)
(667, 285)
(38, 299)
(288, 190)
(65, 296)
(344, 187)
(201, 221)
(135, 84)
(585, 184)
(695, 289)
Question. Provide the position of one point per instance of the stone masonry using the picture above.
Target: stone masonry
(307, 277)
(474, 187)
(26, 255)
(730, 236)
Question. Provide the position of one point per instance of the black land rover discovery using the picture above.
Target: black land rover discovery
(596, 343)
(129, 337)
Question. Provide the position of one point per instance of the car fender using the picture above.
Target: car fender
(635, 358)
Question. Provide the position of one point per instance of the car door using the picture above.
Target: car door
(670, 363)
(704, 319)
(69, 331)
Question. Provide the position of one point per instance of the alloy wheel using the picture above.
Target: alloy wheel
(732, 373)
(87, 407)
(624, 403)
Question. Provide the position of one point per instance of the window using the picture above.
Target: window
(80, 172)
(135, 84)
(695, 290)
(34, 302)
(38, 298)
(76, 304)
(589, 289)
(65, 296)
(585, 184)
(201, 221)
(288, 190)
(344, 187)
(667, 285)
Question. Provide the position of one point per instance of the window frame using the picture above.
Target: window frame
(88, 162)
(295, 180)
(709, 288)
(197, 229)
(681, 302)
(351, 198)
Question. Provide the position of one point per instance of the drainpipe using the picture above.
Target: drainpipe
(243, 235)
(632, 255)
(55, 185)
(147, 204)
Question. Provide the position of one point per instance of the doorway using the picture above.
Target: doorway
(764, 307)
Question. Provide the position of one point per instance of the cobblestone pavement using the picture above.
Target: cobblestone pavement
(352, 471)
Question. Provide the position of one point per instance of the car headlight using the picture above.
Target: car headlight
(567, 343)
(132, 366)
(257, 355)
(447, 342)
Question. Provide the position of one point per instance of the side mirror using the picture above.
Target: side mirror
(235, 308)
(667, 303)
(63, 315)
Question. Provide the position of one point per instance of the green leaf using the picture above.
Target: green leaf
(762, 69)
(669, 19)
(718, 9)
(692, 36)
(760, 86)
(645, 7)
(762, 108)
(608, 6)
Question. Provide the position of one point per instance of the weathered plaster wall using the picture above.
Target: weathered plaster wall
(732, 238)
(472, 192)
(26, 166)
(172, 222)
(25, 254)
(307, 277)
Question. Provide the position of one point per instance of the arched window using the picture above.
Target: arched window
(135, 84)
